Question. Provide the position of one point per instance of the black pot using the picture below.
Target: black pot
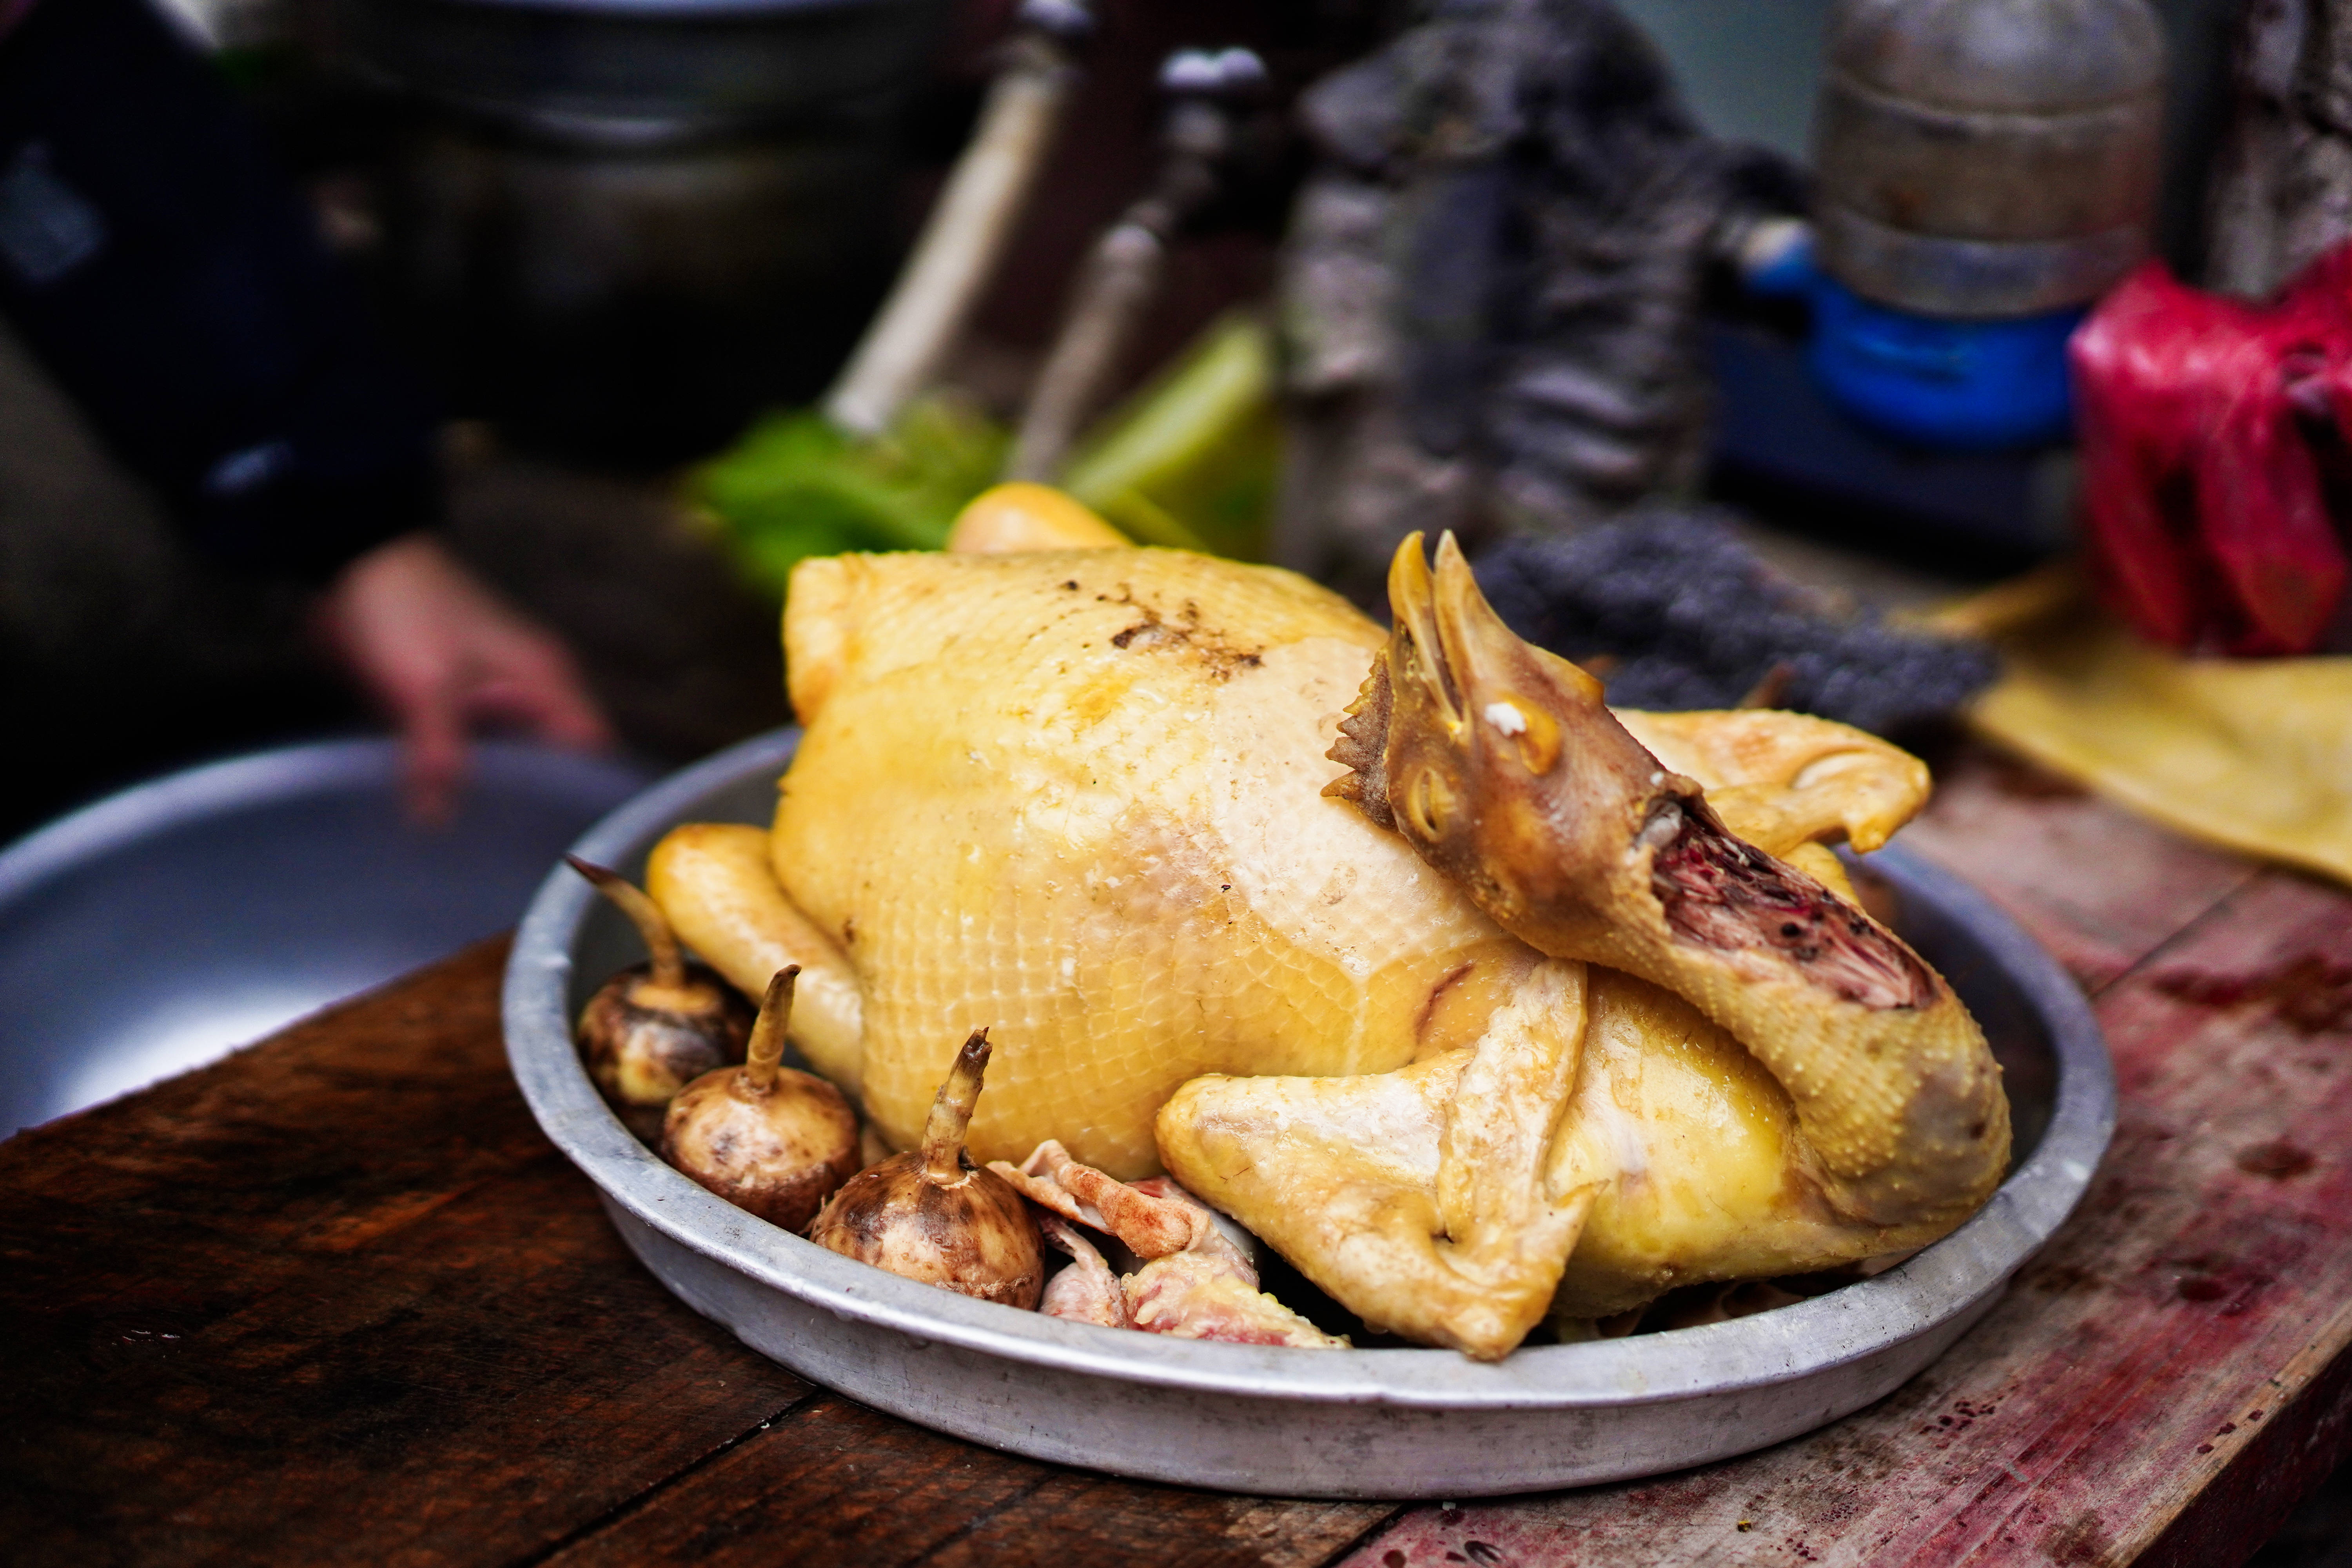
(619, 229)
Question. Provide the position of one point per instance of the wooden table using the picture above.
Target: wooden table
(336, 1298)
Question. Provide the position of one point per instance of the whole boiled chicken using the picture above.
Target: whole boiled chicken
(1088, 799)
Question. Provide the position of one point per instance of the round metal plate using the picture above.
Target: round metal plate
(1349, 1424)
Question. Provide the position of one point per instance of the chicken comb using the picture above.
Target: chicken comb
(1363, 747)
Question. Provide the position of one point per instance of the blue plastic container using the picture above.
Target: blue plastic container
(1956, 385)
(1950, 384)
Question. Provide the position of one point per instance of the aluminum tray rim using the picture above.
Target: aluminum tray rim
(1789, 1343)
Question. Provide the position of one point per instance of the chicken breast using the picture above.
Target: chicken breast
(1077, 797)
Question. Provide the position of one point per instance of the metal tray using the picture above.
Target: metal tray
(1340, 1423)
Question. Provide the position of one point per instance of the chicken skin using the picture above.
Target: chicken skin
(1078, 797)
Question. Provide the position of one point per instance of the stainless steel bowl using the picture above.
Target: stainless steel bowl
(1356, 1424)
(166, 925)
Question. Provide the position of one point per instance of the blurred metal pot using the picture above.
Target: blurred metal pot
(1988, 158)
(623, 225)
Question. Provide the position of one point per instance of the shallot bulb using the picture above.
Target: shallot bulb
(656, 1026)
(933, 1215)
(768, 1139)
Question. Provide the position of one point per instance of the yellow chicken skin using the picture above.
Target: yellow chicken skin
(1673, 1152)
(1077, 796)
(1689, 1142)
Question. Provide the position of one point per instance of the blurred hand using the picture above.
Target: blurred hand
(442, 652)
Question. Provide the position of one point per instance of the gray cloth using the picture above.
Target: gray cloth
(2282, 188)
(1673, 611)
(1491, 285)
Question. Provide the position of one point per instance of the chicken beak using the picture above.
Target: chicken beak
(1420, 653)
(1512, 698)
(1460, 715)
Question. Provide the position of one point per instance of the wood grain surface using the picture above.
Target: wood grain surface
(336, 1300)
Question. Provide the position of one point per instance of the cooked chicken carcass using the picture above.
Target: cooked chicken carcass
(1077, 796)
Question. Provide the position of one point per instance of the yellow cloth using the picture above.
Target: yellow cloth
(2253, 754)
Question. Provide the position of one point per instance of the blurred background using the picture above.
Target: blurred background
(609, 238)
(610, 235)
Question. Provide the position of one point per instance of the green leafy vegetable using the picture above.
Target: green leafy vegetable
(795, 486)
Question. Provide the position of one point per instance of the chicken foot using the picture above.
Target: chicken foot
(1501, 766)
(1086, 1291)
(1193, 1284)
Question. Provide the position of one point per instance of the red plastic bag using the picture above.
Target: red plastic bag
(2209, 428)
